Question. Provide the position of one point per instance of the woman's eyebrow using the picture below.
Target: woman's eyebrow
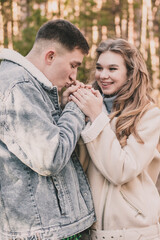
(113, 65)
(110, 65)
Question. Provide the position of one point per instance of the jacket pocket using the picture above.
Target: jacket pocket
(137, 210)
(59, 196)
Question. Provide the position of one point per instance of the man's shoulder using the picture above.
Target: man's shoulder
(12, 73)
(20, 61)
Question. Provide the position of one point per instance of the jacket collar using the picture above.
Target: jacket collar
(13, 56)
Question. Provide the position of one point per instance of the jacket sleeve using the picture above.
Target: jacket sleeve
(120, 165)
(32, 136)
(82, 154)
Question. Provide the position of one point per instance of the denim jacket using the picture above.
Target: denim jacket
(44, 193)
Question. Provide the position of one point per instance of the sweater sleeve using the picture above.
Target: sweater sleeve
(120, 165)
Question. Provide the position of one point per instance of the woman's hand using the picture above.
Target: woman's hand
(89, 101)
(70, 90)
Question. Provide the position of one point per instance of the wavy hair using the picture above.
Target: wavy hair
(133, 99)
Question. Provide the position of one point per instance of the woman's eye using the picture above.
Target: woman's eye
(112, 69)
(99, 68)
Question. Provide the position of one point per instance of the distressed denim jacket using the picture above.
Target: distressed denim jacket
(44, 193)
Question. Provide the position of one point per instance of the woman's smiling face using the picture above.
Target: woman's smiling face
(111, 72)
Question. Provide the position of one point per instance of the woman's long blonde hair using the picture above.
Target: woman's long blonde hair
(133, 99)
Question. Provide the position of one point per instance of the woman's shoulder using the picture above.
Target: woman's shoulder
(153, 109)
(151, 117)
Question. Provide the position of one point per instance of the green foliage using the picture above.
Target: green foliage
(137, 4)
(41, 1)
(25, 43)
(87, 14)
(88, 17)
(83, 73)
(106, 16)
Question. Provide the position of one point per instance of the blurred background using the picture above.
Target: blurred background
(138, 21)
(135, 20)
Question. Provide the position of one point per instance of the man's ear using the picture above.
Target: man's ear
(49, 57)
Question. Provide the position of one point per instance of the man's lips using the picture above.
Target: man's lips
(68, 85)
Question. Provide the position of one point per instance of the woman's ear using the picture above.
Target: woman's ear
(49, 57)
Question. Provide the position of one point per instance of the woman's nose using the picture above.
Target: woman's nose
(104, 74)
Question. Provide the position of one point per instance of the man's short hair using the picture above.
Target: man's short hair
(65, 33)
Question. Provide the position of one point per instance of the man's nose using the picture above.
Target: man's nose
(73, 75)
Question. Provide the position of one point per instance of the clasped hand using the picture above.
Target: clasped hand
(87, 99)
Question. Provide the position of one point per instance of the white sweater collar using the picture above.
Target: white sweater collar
(11, 55)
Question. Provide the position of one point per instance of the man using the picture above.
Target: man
(44, 193)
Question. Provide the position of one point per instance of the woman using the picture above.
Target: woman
(122, 141)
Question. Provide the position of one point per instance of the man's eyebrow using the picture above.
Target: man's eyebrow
(76, 63)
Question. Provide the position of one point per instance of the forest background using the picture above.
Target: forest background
(138, 21)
